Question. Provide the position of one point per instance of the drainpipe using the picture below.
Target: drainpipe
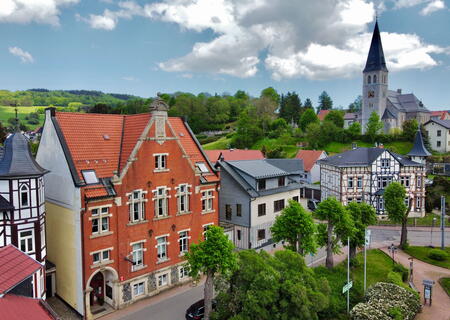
(83, 210)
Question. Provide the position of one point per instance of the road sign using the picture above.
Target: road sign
(368, 232)
(428, 283)
(347, 287)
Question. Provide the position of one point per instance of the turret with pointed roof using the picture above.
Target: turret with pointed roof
(419, 152)
(375, 59)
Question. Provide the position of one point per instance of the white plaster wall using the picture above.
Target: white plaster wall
(315, 170)
(432, 129)
(268, 200)
(60, 189)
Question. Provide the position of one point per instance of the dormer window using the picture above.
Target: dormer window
(24, 199)
(89, 176)
(281, 181)
(202, 167)
(262, 184)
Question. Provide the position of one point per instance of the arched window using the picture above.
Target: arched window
(24, 201)
(368, 80)
(374, 78)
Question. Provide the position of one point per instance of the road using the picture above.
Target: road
(172, 305)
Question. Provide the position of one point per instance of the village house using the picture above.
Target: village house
(362, 174)
(126, 196)
(253, 193)
(310, 164)
(438, 132)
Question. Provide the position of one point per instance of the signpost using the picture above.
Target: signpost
(427, 291)
(366, 243)
(442, 222)
(347, 287)
(348, 275)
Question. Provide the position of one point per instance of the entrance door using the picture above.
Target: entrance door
(97, 293)
(49, 286)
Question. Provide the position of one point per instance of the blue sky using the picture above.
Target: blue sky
(216, 46)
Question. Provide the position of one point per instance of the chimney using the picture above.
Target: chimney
(399, 91)
(158, 110)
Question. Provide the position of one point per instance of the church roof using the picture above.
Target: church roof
(418, 149)
(404, 102)
(17, 160)
(375, 59)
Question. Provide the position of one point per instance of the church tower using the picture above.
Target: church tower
(375, 80)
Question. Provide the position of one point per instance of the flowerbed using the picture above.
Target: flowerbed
(386, 301)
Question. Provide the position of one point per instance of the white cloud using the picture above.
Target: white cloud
(313, 39)
(26, 11)
(432, 7)
(129, 78)
(24, 56)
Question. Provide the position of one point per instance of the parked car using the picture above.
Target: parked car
(197, 310)
(312, 204)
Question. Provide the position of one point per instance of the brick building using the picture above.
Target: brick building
(126, 196)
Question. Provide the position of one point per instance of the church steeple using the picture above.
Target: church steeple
(419, 152)
(375, 60)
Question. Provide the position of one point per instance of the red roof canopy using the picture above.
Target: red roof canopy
(14, 307)
(322, 114)
(309, 157)
(234, 154)
(440, 114)
(15, 266)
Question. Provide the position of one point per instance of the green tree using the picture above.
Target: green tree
(240, 94)
(308, 104)
(312, 132)
(266, 287)
(325, 102)
(397, 210)
(338, 227)
(409, 128)
(271, 93)
(3, 133)
(248, 129)
(212, 256)
(337, 117)
(296, 226)
(354, 130)
(363, 215)
(373, 127)
(290, 107)
(308, 117)
(356, 105)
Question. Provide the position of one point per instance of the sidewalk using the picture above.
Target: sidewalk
(440, 308)
(399, 228)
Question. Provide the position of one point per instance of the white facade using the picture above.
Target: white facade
(439, 136)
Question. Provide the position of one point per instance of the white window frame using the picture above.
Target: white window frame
(160, 161)
(183, 194)
(359, 182)
(418, 202)
(136, 253)
(161, 276)
(139, 201)
(380, 203)
(26, 240)
(207, 200)
(183, 272)
(385, 163)
(350, 184)
(205, 228)
(162, 248)
(202, 167)
(183, 240)
(24, 190)
(161, 194)
(98, 216)
(42, 231)
(419, 181)
(139, 289)
(405, 181)
(101, 258)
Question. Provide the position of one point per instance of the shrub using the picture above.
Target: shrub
(402, 270)
(438, 254)
(387, 301)
(395, 278)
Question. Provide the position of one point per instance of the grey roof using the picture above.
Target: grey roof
(17, 160)
(5, 204)
(375, 59)
(404, 102)
(444, 123)
(241, 181)
(362, 157)
(351, 116)
(418, 148)
(268, 168)
(389, 113)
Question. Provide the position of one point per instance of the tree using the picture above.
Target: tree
(354, 130)
(325, 102)
(100, 108)
(248, 129)
(308, 117)
(240, 94)
(356, 105)
(295, 226)
(312, 132)
(337, 117)
(338, 227)
(290, 107)
(267, 287)
(409, 128)
(374, 125)
(3, 133)
(308, 104)
(397, 210)
(271, 93)
(363, 215)
(213, 255)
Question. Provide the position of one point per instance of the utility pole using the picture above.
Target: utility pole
(348, 274)
(442, 222)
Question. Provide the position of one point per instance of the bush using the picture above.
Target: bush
(402, 270)
(385, 301)
(438, 254)
(395, 278)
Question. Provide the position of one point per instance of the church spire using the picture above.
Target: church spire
(419, 149)
(375, 60)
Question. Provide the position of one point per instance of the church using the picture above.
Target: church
(393, 107)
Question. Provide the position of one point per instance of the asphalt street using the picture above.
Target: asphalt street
(174, 306)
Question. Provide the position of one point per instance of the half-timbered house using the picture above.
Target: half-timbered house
(126, 196)
(362, 174)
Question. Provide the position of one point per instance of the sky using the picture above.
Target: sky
(144, 47)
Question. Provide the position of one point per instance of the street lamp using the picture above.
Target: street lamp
(392, 249)
(432, 226)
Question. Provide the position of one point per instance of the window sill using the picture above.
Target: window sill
(161, 170)
(183, 213)
(162, 261)
(209, 211)
(182, 254)
(161, 218)
(99, 235)
(102, 264)
(138, 268)
(137, 222)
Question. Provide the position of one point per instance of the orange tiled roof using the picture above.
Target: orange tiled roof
(440, 114)
(95, 192)
(309, 157)
(234, 154)
(322, 114)
(104, 142)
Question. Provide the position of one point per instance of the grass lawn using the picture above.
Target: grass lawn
(426, 221)
(401, 147)
(445, 283)
(22, 112)
(421, 253)
(222, 143)
(379, 265)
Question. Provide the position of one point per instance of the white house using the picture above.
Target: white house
(310, 165)
(439, 134)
